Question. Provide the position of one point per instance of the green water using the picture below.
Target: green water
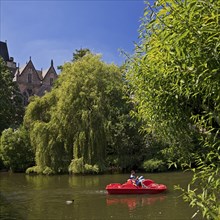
(44, 197)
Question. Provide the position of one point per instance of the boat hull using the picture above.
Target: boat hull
(129, 188)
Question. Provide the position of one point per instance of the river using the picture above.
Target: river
(44, 197)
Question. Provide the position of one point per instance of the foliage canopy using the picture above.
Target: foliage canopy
(11, 102)
(175, 79)
(82, 120)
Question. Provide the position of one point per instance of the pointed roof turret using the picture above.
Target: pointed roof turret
(4, 51)
(18, 69)
(51, 69)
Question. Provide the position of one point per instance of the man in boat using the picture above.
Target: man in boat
(139, 181)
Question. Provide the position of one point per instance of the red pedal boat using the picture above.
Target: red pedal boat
(148, 187)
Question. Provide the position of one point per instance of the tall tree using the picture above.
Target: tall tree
(73, 125)
(175, 78)
(11, 102)
(80, 53)
(77, 55)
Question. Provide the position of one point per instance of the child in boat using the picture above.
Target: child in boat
(135, 180)
(132, 176)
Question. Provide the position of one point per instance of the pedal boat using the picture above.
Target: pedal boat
(148, 187)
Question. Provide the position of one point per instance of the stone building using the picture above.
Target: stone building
(30, 80)
(34, 82)
(8, 60)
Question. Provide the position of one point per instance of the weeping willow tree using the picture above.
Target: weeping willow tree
(175, 80)
(70, 126)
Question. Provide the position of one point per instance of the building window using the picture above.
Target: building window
(51, 81)
(29, 78)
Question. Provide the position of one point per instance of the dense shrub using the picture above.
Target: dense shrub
(154, 165)
(77, 166)
(34, 170)
(39, 170)
(15, 149)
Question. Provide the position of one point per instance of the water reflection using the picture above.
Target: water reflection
(44, 197)
(37, 182)
(134, 202)
(85, 181)
(8, 211)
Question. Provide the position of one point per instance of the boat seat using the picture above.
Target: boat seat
(147, 182)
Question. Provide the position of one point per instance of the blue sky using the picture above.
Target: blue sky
(50, 29)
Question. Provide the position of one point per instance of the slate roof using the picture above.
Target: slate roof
(44, 73)
(43, 89)
(20, 70)
(39, 72)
